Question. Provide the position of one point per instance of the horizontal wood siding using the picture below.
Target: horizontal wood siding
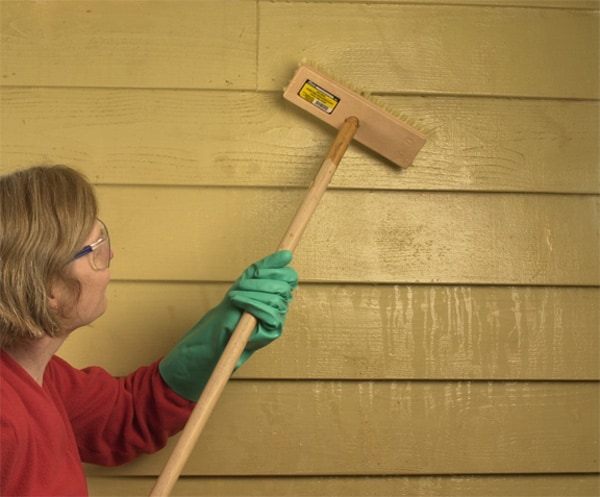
(444, 340)
(541, 4)
(392, 332)
(347, 486)
(453, 49)
(394, 428)
(224, 138)
(146, 44)
(83, 43)
(415, 237)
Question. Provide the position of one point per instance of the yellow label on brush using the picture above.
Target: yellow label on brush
(319, 97)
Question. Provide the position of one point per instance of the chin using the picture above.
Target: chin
(101, 310)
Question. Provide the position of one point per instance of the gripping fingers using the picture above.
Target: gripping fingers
(277, 260)
(270, 281)
(264, 290)
(269, 312)
(269, 302)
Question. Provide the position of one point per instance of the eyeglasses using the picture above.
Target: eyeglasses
(100, 250)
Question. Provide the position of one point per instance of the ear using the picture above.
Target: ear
(53, 302)
(56, 294)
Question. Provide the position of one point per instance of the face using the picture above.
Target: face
(93, 282)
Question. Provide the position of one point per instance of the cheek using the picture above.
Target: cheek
(102, 286)
(105, 279)
(93, 295)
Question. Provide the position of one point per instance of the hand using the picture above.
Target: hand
(265, 291)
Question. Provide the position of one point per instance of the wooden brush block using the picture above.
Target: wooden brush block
(331, 102)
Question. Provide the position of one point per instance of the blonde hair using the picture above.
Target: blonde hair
(46, 215)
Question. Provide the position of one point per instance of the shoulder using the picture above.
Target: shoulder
(77, 387)
(63, 375)
(59, 366)
(16, 391)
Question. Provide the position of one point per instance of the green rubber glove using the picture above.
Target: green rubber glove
(264, 290)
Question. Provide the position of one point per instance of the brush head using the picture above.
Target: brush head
(332, 102)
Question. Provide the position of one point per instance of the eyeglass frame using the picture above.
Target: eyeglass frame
(88, 249)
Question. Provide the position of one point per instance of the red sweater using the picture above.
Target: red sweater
(78, 415)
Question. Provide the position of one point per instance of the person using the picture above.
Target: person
(55, 256)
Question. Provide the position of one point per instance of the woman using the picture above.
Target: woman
(54, 269)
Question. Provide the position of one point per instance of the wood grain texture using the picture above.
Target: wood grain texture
(225, 138)
(547, 4)
(394, 428)
(142, 44)
(435, 48)
(440, 308)
(431, 48)
(505, 239)
(365, 332)
(348, 486)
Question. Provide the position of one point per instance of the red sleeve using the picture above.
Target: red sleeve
(116, 419)
(11, 465)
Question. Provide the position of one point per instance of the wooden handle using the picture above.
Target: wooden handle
(205, 406)
(319, 185)
(236, 344)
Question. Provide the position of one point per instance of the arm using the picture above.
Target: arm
(115, 420)
(265, 291)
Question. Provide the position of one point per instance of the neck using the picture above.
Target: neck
(33, 357)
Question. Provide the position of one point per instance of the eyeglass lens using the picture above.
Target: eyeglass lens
(102, 252)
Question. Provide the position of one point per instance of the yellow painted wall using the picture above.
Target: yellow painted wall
(445, 336)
